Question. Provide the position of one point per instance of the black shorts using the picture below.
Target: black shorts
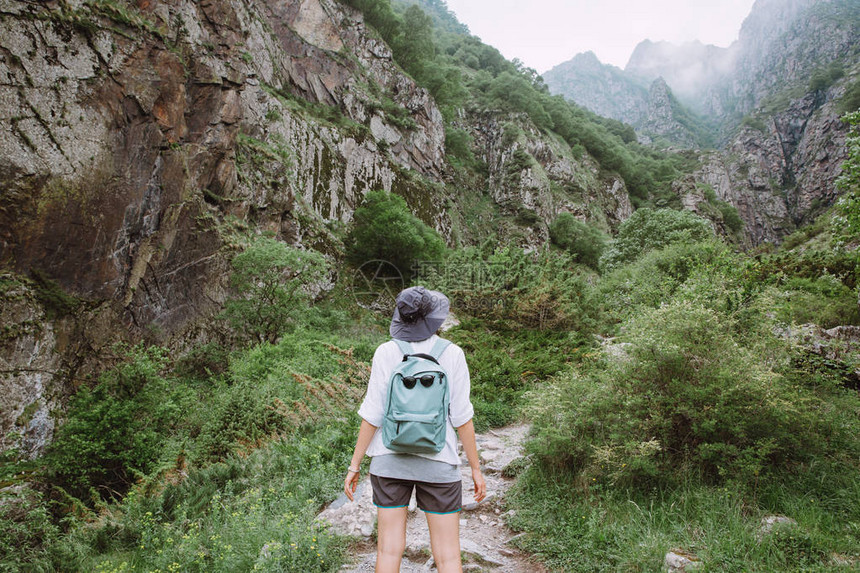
(437, 498)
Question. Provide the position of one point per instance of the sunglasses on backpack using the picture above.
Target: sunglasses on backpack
(426, 381)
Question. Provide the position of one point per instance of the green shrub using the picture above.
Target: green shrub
(584, 242)
(824, 301)
(649, 229)
(731, 218)
(116, 431)
(514, 288)
(655, 277)
(26, 531)
(504, 363)
(603, 528)
(458, 146)
(202, 362)
(271, 280)
(685, 398)
(850, 102)
(274, 389)
(385, 229)
(774, 269)
(249, 513)
(847, 222)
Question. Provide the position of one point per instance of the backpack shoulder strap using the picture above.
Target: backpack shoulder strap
(439, 348)
(405, 347)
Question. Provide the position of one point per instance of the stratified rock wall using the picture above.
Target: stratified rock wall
(30, 364)
(782, 174)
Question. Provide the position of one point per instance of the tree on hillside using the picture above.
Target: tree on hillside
(270, 279)
(415, 46)
(580, 239)
(385, 229)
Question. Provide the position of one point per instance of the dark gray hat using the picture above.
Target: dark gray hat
(418, 314)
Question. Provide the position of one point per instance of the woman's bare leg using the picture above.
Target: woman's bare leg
(390, 538)
(445, 541)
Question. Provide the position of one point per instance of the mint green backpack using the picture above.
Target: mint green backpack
(416, 409)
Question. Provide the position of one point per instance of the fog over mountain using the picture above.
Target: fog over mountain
(779, 42)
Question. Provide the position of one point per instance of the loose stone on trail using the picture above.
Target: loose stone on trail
(483, 533)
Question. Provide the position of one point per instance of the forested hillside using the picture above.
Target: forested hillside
(206, 208)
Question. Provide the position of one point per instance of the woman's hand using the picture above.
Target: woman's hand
(350, 483)
(480, 485)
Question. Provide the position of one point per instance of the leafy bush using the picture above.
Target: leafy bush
(684, 397)
(774, 269)
(847, 222)
(458, 146)
(26, 530)
(385, 229)
(825, 76)
(649, 229)
(584, 242)
(513, 288)
(504, 363)
(655, 277)
(824, 301)
(603, 528)
(115, 431)
(850, 102)
(276, 388)
(249, 513)
(271, 279)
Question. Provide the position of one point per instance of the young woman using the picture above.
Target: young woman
(435, 477)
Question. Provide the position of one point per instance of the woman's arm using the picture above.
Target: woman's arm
(365, 434)
(470, 446)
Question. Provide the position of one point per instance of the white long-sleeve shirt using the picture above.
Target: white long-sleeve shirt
(385, 360)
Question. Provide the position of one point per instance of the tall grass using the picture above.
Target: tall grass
(602, 528)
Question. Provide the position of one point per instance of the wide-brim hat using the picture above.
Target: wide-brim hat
(418, 314)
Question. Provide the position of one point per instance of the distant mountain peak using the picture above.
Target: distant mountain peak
(587, 56)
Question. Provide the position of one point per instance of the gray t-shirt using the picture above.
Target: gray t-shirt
(409, 467)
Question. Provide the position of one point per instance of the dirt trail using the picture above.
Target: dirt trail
(484, 537)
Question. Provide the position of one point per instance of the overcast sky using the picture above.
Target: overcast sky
(544, 33)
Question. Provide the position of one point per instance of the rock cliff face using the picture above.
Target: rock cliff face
(780, 175)
(654, 113)
(126, 128)
(664, 118)
(30, 364)
(782, 42)
(536, 177)
(688, 68)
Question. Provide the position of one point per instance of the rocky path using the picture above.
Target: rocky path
(484, 537)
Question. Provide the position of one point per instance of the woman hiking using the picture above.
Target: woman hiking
(434, 475)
